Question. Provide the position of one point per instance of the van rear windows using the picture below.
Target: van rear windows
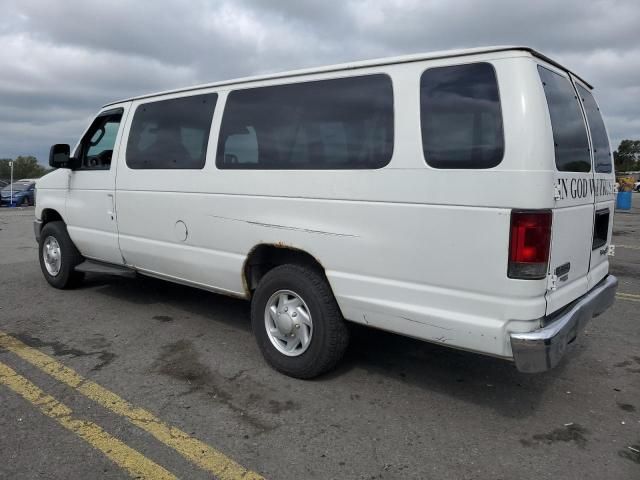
(569, 131)
(171, 134)
(601, 149)
(344, 123)
(461, 119)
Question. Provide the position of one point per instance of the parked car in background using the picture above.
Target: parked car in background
(636, 187)
(24, 193)
(3, 183)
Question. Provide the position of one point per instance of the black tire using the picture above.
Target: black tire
(25, 202)
(330, 335)
(67, 277)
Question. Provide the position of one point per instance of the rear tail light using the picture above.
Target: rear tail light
(529, 244)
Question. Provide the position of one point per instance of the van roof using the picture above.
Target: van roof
(362, 64)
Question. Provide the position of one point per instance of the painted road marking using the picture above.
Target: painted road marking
(631, 247)
(203, 455)
(628, 296)
(631, 295)
(126, 457)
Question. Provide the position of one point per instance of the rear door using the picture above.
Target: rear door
(603, 186)
(573, 212)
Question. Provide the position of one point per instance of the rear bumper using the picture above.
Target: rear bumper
(542, 349)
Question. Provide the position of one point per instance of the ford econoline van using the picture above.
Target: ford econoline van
(463, 198)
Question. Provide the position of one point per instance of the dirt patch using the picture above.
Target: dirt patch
(624, 363)
(628, 363)
(105, 359)
(62, 350)
(180, 360)
(278, 407)
(627, 407)
(244, 396)
(570, 433)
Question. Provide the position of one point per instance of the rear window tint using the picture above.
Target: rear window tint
(344, 123)
(171, 134)
(601, 149)
(569, 131)
(461, 119)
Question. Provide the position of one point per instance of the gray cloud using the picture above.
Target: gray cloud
(61, 62)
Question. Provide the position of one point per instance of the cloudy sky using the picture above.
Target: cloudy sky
(60, 61)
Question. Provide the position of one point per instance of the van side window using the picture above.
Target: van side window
(96, 148)
(171, 134)
(599, 138)
(569, 131)
(461, 118)
(344, 123)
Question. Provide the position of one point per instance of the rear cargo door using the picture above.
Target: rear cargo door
(603, 186)
(573, 212)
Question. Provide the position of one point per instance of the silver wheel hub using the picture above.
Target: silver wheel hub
(52, 256)
(288, 323)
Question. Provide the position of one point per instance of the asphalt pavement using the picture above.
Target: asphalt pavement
(126, 378)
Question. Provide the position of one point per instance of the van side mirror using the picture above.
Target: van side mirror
(59, 156)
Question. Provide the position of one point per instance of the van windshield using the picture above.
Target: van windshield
(569, 130)
(601, 149)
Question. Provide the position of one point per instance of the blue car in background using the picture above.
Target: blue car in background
(24, 194)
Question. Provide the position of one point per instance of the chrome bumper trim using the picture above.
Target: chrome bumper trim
(542, 349)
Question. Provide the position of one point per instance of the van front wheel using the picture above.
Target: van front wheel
(59, 256)
(297, 322)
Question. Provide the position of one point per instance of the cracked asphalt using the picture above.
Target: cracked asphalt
(396, 407)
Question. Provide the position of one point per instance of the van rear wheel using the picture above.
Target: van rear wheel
(297, 322)
(59, 256)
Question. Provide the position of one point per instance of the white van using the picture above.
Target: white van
(463, 198)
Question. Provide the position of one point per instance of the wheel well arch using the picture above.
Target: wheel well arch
(50, 215)
(266, 256)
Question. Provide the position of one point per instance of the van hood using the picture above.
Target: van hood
(57, 179)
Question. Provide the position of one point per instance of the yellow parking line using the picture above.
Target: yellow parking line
(628, 299)
(203, 455)
(628, 296)
(131, 460)
(631, 247)
(623, 294)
